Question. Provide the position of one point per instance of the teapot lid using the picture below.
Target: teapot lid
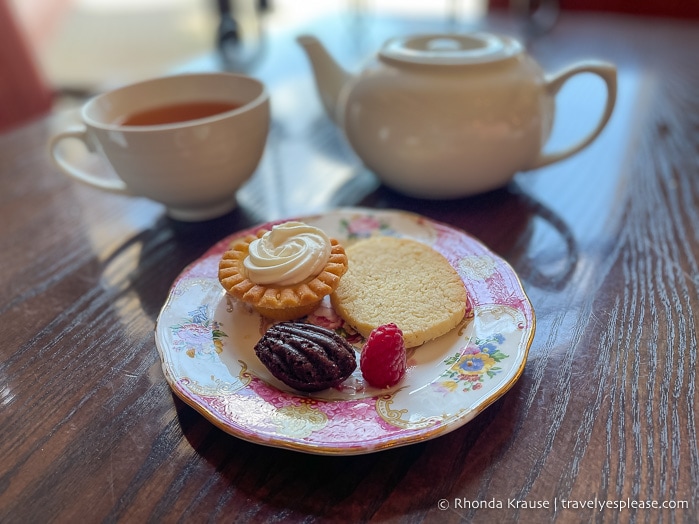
(450, 49)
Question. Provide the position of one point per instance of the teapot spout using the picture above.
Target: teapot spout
(330, 78)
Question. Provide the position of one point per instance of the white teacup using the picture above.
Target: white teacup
(193, 165)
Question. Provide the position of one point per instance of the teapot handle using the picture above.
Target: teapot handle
(607, 72)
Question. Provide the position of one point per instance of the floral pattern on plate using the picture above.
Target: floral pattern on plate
(206, 341)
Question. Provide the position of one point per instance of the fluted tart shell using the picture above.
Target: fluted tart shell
(279, 302)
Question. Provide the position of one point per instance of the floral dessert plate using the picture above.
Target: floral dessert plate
(206, 342)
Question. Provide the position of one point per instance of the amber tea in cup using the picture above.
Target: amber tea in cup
(172, 113)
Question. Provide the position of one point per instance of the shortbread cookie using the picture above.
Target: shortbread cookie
(402, 281)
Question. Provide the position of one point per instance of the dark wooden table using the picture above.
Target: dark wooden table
(606, 245)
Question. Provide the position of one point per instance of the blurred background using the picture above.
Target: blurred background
(86, 43)
(80, 47)
(90, 42)
(57, 52)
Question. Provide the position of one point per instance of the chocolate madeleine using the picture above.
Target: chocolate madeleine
(306, 357)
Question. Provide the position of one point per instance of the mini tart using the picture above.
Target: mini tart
(279, 302)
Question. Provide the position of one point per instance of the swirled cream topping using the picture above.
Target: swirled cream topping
(288, 254)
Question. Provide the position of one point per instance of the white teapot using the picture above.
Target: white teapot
(446, 116)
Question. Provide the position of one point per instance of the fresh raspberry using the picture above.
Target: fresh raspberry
(383, 360)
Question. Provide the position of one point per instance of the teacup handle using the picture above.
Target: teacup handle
(80, 132)
(607, 72)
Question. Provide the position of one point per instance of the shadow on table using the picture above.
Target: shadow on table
(505, 220)
(344, 487)
(166, 248)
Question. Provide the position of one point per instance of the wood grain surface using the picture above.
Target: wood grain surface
(606, 245)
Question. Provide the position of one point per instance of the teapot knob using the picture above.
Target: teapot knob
(450, 49)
